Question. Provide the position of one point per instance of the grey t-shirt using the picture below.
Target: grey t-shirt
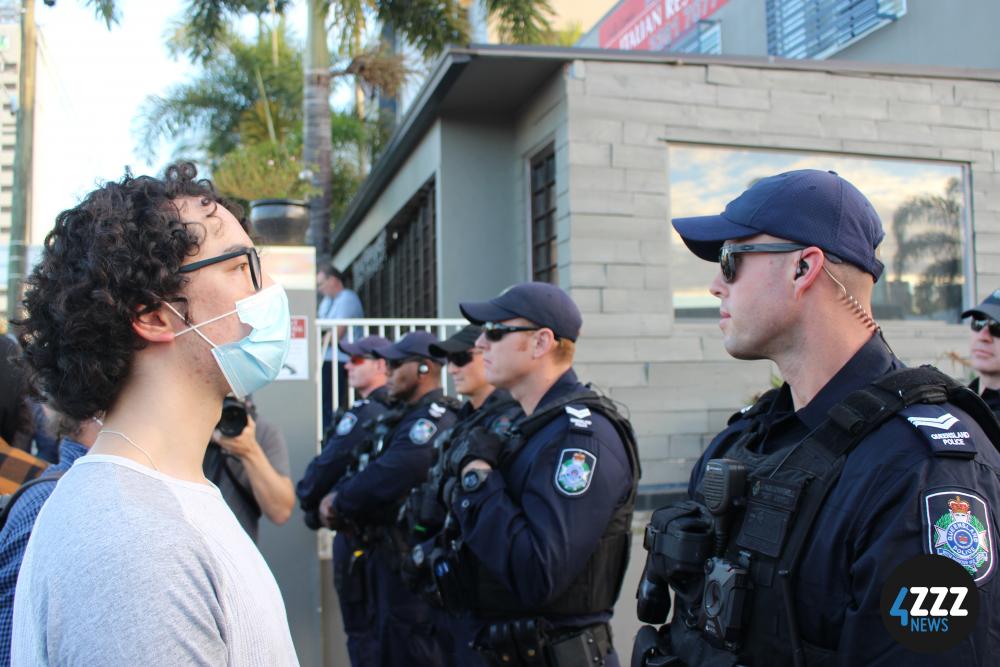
(127, 566)
(229, 474)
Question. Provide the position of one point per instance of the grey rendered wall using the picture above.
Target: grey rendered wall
(675, 378)
(744, 27)
(478, 241)
(954, 34)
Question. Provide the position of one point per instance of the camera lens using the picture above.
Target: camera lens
(234, 417)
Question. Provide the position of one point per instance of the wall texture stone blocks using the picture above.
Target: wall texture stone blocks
(598, 155)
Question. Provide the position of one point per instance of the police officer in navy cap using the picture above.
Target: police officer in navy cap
(371, 499)
(485, 407)
(804, 505)
(544, 515)
(367, 374)
(984, 349)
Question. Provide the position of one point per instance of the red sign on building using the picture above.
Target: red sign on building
(652, 25)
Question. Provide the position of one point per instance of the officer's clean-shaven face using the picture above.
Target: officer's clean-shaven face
(509, 359)
(471, 377)
(984, 352)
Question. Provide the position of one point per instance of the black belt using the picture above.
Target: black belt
(523, 643)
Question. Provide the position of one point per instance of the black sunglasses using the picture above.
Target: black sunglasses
(728, 254)
(253, 261)
(459, 359)
(994, 326)
(494, 331)
(393, 364)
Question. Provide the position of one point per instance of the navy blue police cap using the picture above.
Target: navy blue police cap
(413, 344)
(464, 339)
(989, 308)
(363, 347)
(544, 304)
(817, 208)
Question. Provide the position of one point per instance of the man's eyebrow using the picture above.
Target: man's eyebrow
(235, 247)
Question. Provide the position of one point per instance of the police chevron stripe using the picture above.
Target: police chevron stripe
(943, 422)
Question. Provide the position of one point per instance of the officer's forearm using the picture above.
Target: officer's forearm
(272, 490)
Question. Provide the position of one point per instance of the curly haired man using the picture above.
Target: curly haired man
(148, 305)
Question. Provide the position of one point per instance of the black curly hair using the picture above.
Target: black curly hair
(112, 257)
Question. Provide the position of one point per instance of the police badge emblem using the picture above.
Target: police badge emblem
(575, 471)
(346, 423)
(958, 526)
(422, 431)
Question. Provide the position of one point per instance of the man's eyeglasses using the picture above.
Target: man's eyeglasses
(394, 364)
(358, 359)
(459, 359)
(253, 262)
(728, 254)
(994, 326)
(494, 331)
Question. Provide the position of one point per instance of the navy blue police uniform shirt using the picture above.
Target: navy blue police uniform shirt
(329, 466)
(403, 463)
(526, 528)
(882, 511)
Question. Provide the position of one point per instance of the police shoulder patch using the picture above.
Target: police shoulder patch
(422, 431)
(957, 525)
(944, 432)
(578, 418)
(346, 423)
(574, 471)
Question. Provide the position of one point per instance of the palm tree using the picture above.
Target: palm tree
(927, 226)
(431, 25)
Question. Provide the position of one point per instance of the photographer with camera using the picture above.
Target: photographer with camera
(248, 460)
(803, 506)
(351, 570)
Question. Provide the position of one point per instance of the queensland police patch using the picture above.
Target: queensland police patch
(575, 471)
(346, 423)
(957, 522)
(422, 431)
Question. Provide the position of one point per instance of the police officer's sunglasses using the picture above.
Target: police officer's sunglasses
(393, 364)
(728, 254)
(459, 359)
(253, 264)
(358, 359)
(494, 331)
(994, 326)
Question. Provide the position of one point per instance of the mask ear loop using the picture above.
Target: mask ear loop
(195, 327)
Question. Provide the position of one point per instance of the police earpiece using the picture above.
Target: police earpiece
(423, 369)
(803, 267)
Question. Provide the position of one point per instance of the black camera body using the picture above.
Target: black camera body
(234, 416)
(724, 599)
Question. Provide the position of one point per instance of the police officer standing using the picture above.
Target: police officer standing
(372, 498)
(805, 504)
(984, 349)
(486, 408)
(545, 515)
(351, 575)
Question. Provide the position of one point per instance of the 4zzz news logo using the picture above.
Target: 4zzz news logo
(930, 604)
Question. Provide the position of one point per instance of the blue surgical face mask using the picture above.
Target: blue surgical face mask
(255, 361)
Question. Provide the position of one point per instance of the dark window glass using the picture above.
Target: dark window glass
(544, 260)
(396, 275)
(820, 28)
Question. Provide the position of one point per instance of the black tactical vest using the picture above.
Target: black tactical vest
(786, 490)
(597, 587)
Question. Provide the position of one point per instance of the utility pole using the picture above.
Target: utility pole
(316, 139)
(23, 162)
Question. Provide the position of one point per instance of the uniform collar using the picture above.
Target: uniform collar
(566, 383)
(871, 362)
(380, 394)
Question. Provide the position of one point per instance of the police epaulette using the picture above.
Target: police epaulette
(762, 404)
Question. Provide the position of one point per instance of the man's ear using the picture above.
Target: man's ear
(806, 269)
(545, 342)
(155, 326)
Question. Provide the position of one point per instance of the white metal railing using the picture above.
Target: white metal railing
(328, 338)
